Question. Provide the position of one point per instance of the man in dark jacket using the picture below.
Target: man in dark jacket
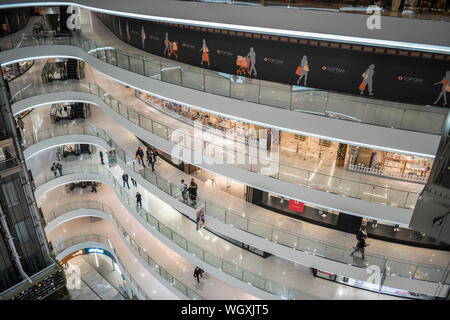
(361, 236)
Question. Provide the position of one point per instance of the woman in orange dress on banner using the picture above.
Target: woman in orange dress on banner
(445, 88)
(205, 54)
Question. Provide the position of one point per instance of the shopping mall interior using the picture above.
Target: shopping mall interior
(215, 150)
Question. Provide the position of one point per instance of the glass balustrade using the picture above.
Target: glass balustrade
(68, 207)
(245, 156)
(413, 9)
(101, 239)
(301, 99)
(304, 244)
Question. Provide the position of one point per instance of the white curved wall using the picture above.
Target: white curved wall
(309, 196)
(428, 35)
(284, 252)
(381, 138)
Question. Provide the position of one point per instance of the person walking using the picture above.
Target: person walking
(140, 156)
(125, 180)
(193, 192)
(197, 274)
(183, 187)
(101, 156)
(155, 155)
(139, 199)
(54, 169)
(133, 182)
(59, 167)
(361, 236)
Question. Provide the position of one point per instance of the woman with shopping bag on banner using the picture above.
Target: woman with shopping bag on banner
(302, 70)
(367, 80)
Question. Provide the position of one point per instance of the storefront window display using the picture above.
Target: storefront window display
(215, 124)
(309, 153)
(12, 71)
(390, 164)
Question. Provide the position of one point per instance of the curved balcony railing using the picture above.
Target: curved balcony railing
(294, 98)
(244, 154)
(101, 239)
(391, 266)
(225, 266)
(82, 204)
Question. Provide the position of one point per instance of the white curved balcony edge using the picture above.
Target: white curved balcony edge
(191, 258)
(371, 210)
(94, 244)
(80, 213)
(311, 24)
(279, 250)
(381, 138)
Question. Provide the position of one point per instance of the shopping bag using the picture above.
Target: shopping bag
(364, 75)
(362, 86)
(306, 68)
(175, 46)
(298, 71)
(447, 88)
(205, 57)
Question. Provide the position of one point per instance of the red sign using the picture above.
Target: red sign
(296, 205)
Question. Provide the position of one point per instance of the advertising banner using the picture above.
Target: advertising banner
(407, 78)
(200, 221)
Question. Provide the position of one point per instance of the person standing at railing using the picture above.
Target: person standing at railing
(59, 167)
(193, 192)
(125, 180)
(54, 169)
(140, 156)
(183, 188)
(138, 199)
(101, 156)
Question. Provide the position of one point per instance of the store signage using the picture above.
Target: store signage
(72, 255)
(95, 250)
(326, 275)
(296, 205)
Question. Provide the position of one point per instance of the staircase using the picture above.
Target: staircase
(72, 69)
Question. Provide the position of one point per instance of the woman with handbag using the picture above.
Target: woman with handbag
(445, 88)
(302, 70)
(367, 80)
(205, 54)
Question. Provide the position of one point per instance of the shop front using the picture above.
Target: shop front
(220, 126)
(12, 71)
(344, 222)
(389, 164)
